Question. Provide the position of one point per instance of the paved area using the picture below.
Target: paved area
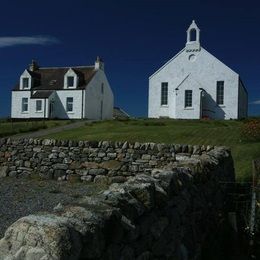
(48, 131)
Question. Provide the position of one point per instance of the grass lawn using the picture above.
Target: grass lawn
(8, 128)
(225, 133)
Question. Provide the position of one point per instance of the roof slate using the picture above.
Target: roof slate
(53, 78)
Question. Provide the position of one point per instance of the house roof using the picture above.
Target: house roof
(119, 113)
(53, 78)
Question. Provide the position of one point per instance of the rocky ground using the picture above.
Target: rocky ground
(20, 197)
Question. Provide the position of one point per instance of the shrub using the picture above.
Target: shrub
(250, 130)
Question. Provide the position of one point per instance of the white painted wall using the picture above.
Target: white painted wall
(25, 74)
(191, 70)
(60, 100)
(70, 73)
(94, 98)
(16, 109)
(88, 103)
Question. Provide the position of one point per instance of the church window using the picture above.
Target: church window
(220, 92)
(164, 93)
(188, 98)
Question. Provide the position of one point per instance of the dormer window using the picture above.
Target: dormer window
(70, 82)
(70, 79)
(25, 83)
(26, 80)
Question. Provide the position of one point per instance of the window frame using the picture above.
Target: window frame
(25, 102)
(164, 93)
(69, 103)
(36, 105)
(220, 91)
(25, 79)
(68, 81)
(188, 98)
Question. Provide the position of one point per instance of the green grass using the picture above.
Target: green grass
(219, 133)
(8, 128)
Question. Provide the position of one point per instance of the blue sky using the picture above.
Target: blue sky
(134, 38)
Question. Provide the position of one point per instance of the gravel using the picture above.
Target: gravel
(21, 197)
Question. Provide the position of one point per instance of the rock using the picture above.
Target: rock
(60, 166)
(146, 157)
(100, 179)
(97, 171)
(89, 165)
(101, 155)
(196, 149)
(40, 236)
(3, 171)
(58, 173)
(62, 155)
(87, 178)
(182, 156)
(117, 179)
(46, 142)
(111, 155)
(27, 164)
(58, 208)
(13, 173)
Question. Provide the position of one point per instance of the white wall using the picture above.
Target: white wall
(94, 98)
(189, 112)
(16, 108)
(204, 70)
(60, 100)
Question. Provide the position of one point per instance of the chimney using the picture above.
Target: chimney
(33, 66)
(99, 64)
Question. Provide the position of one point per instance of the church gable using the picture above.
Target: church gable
(194, 68)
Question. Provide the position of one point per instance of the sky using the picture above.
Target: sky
(133, 37)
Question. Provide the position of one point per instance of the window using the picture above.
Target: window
(220, 92)
(193, 35)
(24, 104)
(69, 104)
(164, 93)
(25, 83)
(38, 105)
(70, 82)
(102, 88)
(188, 98)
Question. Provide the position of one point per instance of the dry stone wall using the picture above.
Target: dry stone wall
(55, 159)
(162, 201)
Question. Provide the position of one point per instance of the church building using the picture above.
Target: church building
(194, 84)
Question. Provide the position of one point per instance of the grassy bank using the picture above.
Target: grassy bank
(8, 128)
(174, 131)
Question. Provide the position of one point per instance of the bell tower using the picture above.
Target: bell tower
(193, 38)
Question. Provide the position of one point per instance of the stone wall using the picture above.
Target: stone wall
(64, 159)
(164, 209)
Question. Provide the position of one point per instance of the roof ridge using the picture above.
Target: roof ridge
(75, 67)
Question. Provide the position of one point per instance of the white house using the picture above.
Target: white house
(63, 92)
(194, 84)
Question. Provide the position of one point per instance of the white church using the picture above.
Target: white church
(194, 84)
